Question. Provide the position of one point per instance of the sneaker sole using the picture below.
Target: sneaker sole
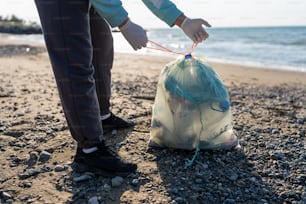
(81, 168)
(110, 129)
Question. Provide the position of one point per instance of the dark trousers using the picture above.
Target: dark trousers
(80, 47)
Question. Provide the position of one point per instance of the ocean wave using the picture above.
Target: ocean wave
(300, 42)
(256, 64)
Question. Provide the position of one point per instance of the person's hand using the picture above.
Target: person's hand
(134, 34)
(193, 28)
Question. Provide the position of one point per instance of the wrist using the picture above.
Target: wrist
(124, 23)
(179, 21)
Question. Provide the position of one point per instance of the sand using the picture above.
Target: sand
(263, 100)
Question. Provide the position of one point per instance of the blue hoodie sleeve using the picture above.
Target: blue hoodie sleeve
(164, 10)
(111, 10)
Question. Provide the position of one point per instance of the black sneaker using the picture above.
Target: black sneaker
(114, 122)
(101, 162)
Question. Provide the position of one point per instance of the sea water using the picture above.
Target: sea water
(281, 48)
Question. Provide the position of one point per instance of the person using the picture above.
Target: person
(80, 47)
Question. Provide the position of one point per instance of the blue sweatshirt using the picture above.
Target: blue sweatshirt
(114, 13)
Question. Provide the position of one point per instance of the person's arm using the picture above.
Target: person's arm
(164, 10)
(170, 14)
(112, 11)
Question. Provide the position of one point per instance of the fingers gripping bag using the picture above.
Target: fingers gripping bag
(191, 108)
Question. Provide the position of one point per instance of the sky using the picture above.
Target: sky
(219, 13)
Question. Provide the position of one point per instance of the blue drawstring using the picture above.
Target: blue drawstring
(189, 162)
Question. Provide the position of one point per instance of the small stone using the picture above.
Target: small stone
(303, 156)
(198, 181)
(275, 131)
(28, 173)
(46, 168)
(32, 160)
(117, 181)
(179, 199)
(205, 166)
(15, 161)
(229, 201)
(25, 185)
(15, 134)
(135, 182)
(2, 129)
(93, 200)
(107, 187)
(234, 177)
(301, 178)
(84, 177)
(254, 173)
(283, 195)
(271, 146)
(44, 156)
(248, 137)
(196, 189)
(24, 197)
(301, 121)
(5, 195)
(27, 110)
(114, 132)
(253, 179)
(174, 190)
(58, 187)
(278, 156)
(20, 114)
(264, 201)
(59, 168)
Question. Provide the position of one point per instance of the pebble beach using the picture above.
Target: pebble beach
(36, 149)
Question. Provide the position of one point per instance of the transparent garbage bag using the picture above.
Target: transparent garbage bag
(191, 108)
